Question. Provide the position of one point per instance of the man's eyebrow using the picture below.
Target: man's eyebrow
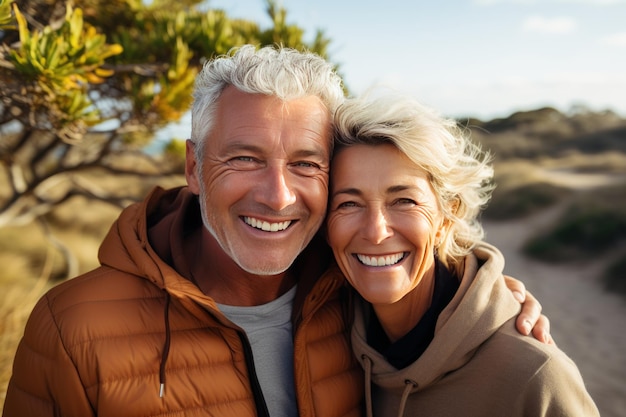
(242, 146)
(315, 151)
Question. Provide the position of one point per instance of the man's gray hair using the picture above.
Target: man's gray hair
(274, 71)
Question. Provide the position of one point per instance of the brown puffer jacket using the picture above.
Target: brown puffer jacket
(103, 343)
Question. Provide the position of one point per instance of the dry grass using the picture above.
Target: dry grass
(20, 288)
(31, 265)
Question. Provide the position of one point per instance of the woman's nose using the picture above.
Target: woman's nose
(377, 228)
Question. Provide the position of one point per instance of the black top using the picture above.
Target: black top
(410, 347)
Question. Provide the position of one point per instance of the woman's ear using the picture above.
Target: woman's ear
(442, 230)
(447, 222)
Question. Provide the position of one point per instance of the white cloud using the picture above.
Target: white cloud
(585, 2)
(493, 2)
(616, 39)
(594, 2)
(555, 25)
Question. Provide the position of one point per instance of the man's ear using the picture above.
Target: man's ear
(191, 167)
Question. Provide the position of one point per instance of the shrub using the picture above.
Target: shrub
(590, 226)
(615, 276)
(523, 201)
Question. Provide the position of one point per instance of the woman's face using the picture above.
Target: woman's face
(383, 221)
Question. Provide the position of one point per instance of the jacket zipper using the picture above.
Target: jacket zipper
(259, 399)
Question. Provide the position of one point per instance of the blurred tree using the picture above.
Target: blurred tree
(86, 83)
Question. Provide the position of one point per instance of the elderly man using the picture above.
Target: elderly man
(212, 299)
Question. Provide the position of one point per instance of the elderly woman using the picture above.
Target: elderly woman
(434, 322)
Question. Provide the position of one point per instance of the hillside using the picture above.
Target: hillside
(543, 158)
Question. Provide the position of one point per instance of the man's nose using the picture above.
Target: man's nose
(277, 191)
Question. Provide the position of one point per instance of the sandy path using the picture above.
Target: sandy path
(588, 323)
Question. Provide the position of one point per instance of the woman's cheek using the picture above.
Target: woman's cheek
(332, 226)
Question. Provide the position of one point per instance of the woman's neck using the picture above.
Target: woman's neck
(399, 318)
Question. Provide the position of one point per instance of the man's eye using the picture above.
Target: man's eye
(306, 164)
(305, 168)
(244, 158)
(243, 162)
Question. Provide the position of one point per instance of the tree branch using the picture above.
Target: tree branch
(70, 259)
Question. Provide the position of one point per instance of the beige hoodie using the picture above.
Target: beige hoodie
(477, 364)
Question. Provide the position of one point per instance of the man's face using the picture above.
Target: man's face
(263, 180)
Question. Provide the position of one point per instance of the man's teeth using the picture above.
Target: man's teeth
(380, 260)
(266, 226)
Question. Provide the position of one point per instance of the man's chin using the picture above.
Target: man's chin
(265, 269)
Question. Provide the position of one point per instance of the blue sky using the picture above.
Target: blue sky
(481, 58)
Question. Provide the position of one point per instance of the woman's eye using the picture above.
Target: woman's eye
(406, 201)
(346, 204)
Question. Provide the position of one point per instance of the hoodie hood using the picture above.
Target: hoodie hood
(481, 305)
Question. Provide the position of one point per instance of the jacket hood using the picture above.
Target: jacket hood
(149, 238)
(481, 305)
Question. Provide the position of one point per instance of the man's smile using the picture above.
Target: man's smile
(265, 225)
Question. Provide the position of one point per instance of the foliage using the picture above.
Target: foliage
(59, 65)
(87, 83)
(5, 14)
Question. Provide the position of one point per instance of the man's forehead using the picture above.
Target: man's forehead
(245, 119)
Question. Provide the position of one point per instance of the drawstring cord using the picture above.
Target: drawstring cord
(166, 346)
(367, 362)
(409, 385)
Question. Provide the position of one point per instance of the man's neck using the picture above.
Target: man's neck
(219, 277)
